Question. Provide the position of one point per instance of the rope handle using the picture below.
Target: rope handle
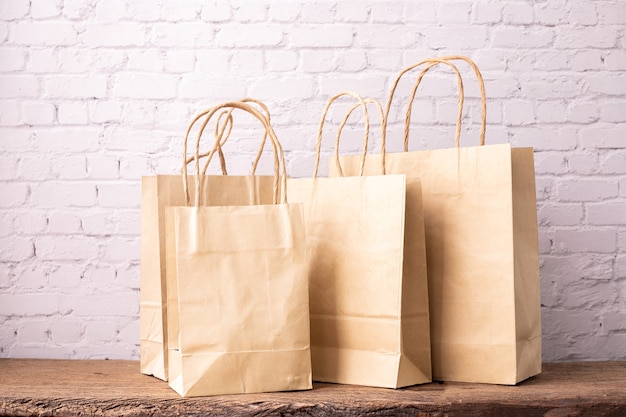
(279, 159)
(318, 146)
(433, 62)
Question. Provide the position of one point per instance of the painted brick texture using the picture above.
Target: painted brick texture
(95, 94)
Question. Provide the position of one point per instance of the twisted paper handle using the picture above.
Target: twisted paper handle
(279, 160)
(361, 103)
(433, 62)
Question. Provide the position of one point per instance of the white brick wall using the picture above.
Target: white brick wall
(95, 94)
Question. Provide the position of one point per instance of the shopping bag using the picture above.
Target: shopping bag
(159, 192)
(367, 276)
(482, 251)
(241, 289)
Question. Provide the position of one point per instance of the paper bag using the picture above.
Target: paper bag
(482, 253)
(367, 276)
(159, 192)
(241, 291)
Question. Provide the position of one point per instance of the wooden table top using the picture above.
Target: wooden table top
(30, 387)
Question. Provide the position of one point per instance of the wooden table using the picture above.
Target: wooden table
(116, 388)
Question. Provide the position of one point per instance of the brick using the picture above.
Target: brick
(586, 37)
(144, 11)
(605, 214)
(14, 10)
(520, 13)
(103, 167)
(586, 189)
(615, 163)
(281, 60)
(583, 112)
(19, 86)
(13, 59)
(615, 60)
(63, 194)
(274, 88)
(559, 321)
(612, 13)
(181, 11)
(66, 276)
(66, 248)
(584, 163)
(519, 38)
(550, 13)
(251, 35)
(585, 241)
(358, 12)
(43, 9)
(318, 12)
(560, 214)
(75, 87)
(248, 62)
(474, 37)
(129, 333)
(385, 60)
(620, 263)
(30, 222)
(367, 87)
(128, 275)
(350, 61)
(191, 34)
(583, 13)
(28, 304)
(88, 60)
(518, 113)
(320, 37)
(8, 167)
(588, 60)
(15, 249)
(550, 89)
(552, 111)
(387, 12)
(422, 12)
(38, 113)
(553, 60)
(217, 89)
(34, 276)
(216, 11)
(550, 162)
(486, 12)
(604, 138)
(107, 305)
(10, 113)
(13, 194)
(49, 33)
(120, 250)
(106, 111)
(72, 113)
(119, 194)
(78, 10)
(33, 332)
(250, 12)
(100, 331)
(64, 222)
(180, 61)
(613, 85)
(144, 86)
(318, 61)
(112, 11)
(66, 332)
(149, 60)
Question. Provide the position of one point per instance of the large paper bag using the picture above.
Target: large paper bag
(241, 291)
(367, 277)
(158, 193)
(482, 251)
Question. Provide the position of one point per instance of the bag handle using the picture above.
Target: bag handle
(280, 181)
(433, 62)
(318, 146)
(223, 131)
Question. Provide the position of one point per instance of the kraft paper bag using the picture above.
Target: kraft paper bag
(158, 193)
(367, 276)
(238, 275)
(482, 251)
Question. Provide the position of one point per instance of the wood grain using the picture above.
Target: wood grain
(116, 388)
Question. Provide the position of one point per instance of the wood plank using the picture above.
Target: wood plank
(116, 388)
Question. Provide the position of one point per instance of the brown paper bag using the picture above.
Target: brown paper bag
(368, 288)
(241, 291)
(159, 192)
(482, 251)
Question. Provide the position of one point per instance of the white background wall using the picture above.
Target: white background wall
(95, 94)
